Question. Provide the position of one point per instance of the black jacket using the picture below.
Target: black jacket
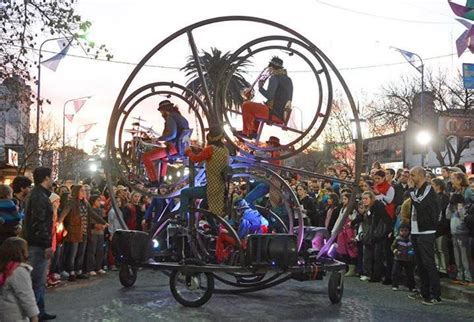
(38, 218)
(377, 213)
(427, 211)
(443, 228)
(399, 192)
(309, 205)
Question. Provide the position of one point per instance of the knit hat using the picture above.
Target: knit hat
(53, 197)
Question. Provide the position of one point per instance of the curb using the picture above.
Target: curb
(456, 292)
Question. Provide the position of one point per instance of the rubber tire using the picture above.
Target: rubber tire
(127, 278)
(335, 287)
(203, 300)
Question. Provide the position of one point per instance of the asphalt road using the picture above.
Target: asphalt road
(104, 299)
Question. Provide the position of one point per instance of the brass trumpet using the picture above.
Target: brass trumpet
(249, 92)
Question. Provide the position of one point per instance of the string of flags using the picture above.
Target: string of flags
(466, 39)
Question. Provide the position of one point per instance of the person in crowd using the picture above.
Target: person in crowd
(38, 226)
(17, 299)
(159, 207)
(386, 193)
(308, 205)
(445, 173)
(401, 187)
(456, 212)
(115, 222)
(461, 186)
(54, 280)
(131, 218)
(404, 255)
(76, 217)
(424, 221)
(443, 229)
(359, 223)
(88, 192)
(11, 218)
(378, 223)
(347, 249)
(175, 125)
(332, 172)
(95, 239)
(390, 176)
(216, 156)
(333, 208)
(21, 186)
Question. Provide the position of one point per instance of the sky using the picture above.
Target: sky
(355, 35)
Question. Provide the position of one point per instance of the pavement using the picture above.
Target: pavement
(104, 299)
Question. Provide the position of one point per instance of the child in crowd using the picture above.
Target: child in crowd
(95, 242)
(404, 255)
(11, 225)
(456, 212)
(17, 300)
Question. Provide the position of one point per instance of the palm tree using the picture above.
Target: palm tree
(212, 64)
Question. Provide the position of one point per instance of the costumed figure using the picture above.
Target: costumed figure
(278, 94)
(251, 222)
(216, 156)
(175, 125)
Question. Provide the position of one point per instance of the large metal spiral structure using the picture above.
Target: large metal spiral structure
(211, 109)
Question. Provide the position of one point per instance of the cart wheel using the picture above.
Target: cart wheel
(128, 275)
(191, 289)
(336, 287)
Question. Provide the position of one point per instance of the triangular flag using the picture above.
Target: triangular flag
(410, 58)
(70, 117)
(53, 62)
(78, 104)
(87, 127)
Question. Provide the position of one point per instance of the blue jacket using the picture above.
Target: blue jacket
(251, 223)
(279, 92)
(175, 123)
(11, 219)
(157, 206)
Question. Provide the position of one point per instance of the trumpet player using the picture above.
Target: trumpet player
(278, 92)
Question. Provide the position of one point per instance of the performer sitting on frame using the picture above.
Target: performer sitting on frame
(175, 124)
(278, 93)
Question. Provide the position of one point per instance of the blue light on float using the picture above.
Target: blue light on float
(156, 244)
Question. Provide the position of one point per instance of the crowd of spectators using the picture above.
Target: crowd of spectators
(404, 221)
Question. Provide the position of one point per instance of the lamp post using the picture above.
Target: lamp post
(64, 115)
(301, 119)
(38, 94)
(363, 128)
(424, 138)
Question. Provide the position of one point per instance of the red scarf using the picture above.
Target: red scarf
(9, 269)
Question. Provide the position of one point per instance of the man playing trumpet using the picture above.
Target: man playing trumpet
(278, 93)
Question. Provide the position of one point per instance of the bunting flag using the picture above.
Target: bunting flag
(86, 128)
(466, 12)
(70, 117)
(78, 104)
(411, 58)
(53, 62)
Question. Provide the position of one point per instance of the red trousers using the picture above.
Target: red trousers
(157, 154)
(252, 110)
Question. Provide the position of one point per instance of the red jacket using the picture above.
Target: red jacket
(383, 189)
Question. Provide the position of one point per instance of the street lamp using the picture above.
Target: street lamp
(64, 115)
(423, 138)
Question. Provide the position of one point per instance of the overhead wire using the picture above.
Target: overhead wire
(250, 71)
(381, 16)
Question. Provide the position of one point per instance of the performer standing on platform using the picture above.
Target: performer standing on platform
(175, 123)
(216, 156)
(278, 93)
